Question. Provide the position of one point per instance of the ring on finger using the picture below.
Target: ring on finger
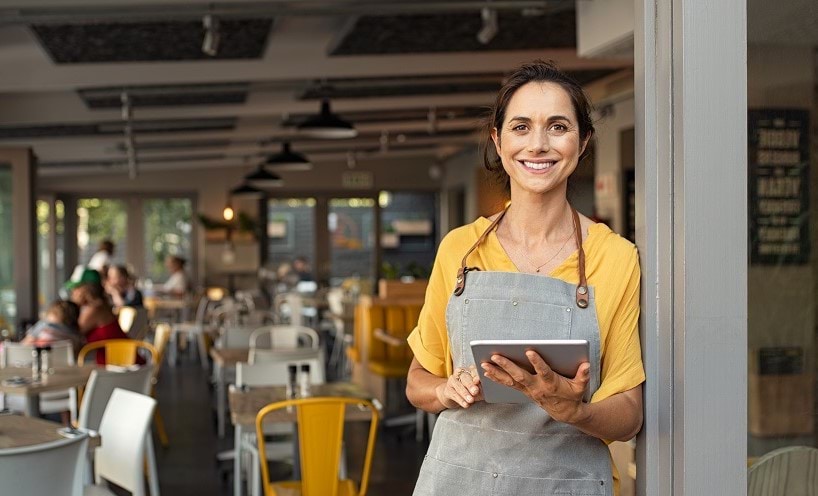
(461, 372)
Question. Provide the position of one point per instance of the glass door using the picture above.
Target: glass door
(98, 220)
(351, 226)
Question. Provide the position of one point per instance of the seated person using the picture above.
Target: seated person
(177, 284)
(97, 321)
(120, 287)
(60, 323)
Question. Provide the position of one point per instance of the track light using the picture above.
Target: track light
(260, 178)
(327, 125)
(490, 26)
(288, 160)
(212, 36)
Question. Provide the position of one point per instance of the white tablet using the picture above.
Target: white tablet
(564, 356)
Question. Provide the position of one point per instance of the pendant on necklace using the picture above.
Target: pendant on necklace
(537, 270)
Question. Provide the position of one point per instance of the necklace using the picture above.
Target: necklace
(537, 268)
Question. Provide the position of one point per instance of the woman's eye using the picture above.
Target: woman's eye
(519, 127)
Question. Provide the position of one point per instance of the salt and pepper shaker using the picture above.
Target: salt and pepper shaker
(35, 364)
(292, 370)
(304, 381)
(45, 360)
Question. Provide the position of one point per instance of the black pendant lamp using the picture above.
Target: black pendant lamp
(288, 160)
(244, 190)
(327, 125)
(260, 178)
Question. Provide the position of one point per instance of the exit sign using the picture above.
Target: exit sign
(356, 180)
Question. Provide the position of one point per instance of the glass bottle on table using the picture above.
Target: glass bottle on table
(304, 381)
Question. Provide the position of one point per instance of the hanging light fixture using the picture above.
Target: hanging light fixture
(244, 190)
(327, 125)
(260, 178)
(288, 160)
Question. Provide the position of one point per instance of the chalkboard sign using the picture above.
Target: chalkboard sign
(778, 186)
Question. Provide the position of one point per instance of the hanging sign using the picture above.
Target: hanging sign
(778, 186)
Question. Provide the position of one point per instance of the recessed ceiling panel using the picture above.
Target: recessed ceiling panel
(150, 41)
(166, 96)
(118, 127)
(380, 35)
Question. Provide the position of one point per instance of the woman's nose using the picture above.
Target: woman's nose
(538, 142)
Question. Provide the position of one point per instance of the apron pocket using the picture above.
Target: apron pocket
(508, 485)
(438, 478)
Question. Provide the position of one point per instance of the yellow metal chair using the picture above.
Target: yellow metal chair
(320, 432)
(120, 352)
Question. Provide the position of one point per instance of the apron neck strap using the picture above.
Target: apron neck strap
(582, 287)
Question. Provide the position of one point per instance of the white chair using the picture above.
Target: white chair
(791, 471)
(49, 468)
(273, 373)
(133, 322)
(98, 393)
(283, 337)
(61, 355)
(234, 337)
(124, 430)
(196, 330)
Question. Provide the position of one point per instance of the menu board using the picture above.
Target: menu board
(778, 186)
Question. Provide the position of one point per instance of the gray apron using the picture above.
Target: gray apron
(516, 449)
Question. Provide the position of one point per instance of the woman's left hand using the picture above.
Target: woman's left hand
(561, 397)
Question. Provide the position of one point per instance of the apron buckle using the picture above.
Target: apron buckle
(460, 281)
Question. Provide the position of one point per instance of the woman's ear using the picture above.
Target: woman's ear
(495, 137)
(585, 144)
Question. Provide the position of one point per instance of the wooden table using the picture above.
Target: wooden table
(62, 378)
(178, 306)
(17, 432)
(245, 405)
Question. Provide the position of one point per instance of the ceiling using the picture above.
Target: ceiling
(411, 75)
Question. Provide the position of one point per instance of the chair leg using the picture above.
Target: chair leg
(255, 473)
(173, 349)
(159, 425)
(202, 349)
(153, 476)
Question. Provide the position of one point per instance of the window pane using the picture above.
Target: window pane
(351, 226)
(99, 219)
(167, 232)
(59, 211)
(782, 214)
(45, 283)
(407, 234)
(290, 231)
(8, 297)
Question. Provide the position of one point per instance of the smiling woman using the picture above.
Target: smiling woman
(506, 275)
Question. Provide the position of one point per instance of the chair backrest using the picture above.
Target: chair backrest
(123, 428)
(121, 352)
(55, 467)
(161, 337)
(320, 434)
(283, 337)
(235, 337)
(398, 321)
(100, 387)
(335, 300)
(274, 372)
(19, 355)
(785, 472)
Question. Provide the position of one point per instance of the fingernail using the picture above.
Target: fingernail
(485, 366)
(473, 390)
(469, 399)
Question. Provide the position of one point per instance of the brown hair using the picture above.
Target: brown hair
(106, 245)
(536, 72)
(67, 312)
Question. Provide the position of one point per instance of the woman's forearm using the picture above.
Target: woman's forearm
(421, 388)
(617, 418)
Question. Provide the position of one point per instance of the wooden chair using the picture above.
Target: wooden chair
(320, 433)
(161, 337)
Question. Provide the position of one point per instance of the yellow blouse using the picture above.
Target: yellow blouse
(612, 269)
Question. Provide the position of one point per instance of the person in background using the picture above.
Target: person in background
(60, 323)
(301, 269)
(178, 283)
(119, 285)
(96, 321)
(101, 260)
(536, 270)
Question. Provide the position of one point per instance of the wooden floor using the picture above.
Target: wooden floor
(189, 466)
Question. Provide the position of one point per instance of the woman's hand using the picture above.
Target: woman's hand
(461, 389)
(559, 396)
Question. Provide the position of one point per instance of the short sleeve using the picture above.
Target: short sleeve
(622, 367)
(430, 340)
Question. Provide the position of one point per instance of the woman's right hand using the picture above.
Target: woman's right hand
(462, 389)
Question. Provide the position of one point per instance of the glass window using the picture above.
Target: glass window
(8, 296)
(168, 226)
(408, 234)
(45, 280)
(99, 219)
(782, 76)
(352, 245)
(59, 212)
(290, 232)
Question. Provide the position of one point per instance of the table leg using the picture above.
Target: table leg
(32, 407)
(237, 453)
(296, 454)
(220, 401)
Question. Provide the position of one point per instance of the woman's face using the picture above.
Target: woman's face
(116, 279)
(539, 143)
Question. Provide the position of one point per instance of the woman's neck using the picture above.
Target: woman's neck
(533, 218)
